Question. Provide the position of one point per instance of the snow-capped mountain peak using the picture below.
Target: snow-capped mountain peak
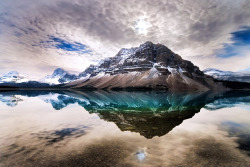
(59, 76)
(59, 71)
(13, 77)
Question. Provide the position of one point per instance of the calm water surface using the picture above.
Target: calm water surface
(66, 128)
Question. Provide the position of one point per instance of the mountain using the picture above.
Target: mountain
(242, 76)
(149, 66)
(13, 77)
(59, 76)
(14, 80)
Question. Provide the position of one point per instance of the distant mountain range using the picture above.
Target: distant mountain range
(14, 79)
(149, 66)
(243, 76)
(57, 78)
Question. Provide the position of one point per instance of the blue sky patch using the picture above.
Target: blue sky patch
(245, 70)
(69, 46)
(242, 36)
(241, 39)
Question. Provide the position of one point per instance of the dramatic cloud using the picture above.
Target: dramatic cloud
(36, 37)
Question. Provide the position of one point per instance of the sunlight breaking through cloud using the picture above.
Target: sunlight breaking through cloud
(142, 25)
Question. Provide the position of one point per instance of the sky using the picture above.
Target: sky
(39, 36)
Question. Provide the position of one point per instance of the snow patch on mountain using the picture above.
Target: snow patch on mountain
(153, 73)
(125, 53)
(172, 70)
(101, 74)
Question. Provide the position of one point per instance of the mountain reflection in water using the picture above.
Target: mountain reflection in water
(149, 114)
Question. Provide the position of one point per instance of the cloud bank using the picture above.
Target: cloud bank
(37, 37)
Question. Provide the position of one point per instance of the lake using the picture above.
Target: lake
(101, 128)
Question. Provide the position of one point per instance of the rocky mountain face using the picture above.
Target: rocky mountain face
(149, 66)
(243, 76)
